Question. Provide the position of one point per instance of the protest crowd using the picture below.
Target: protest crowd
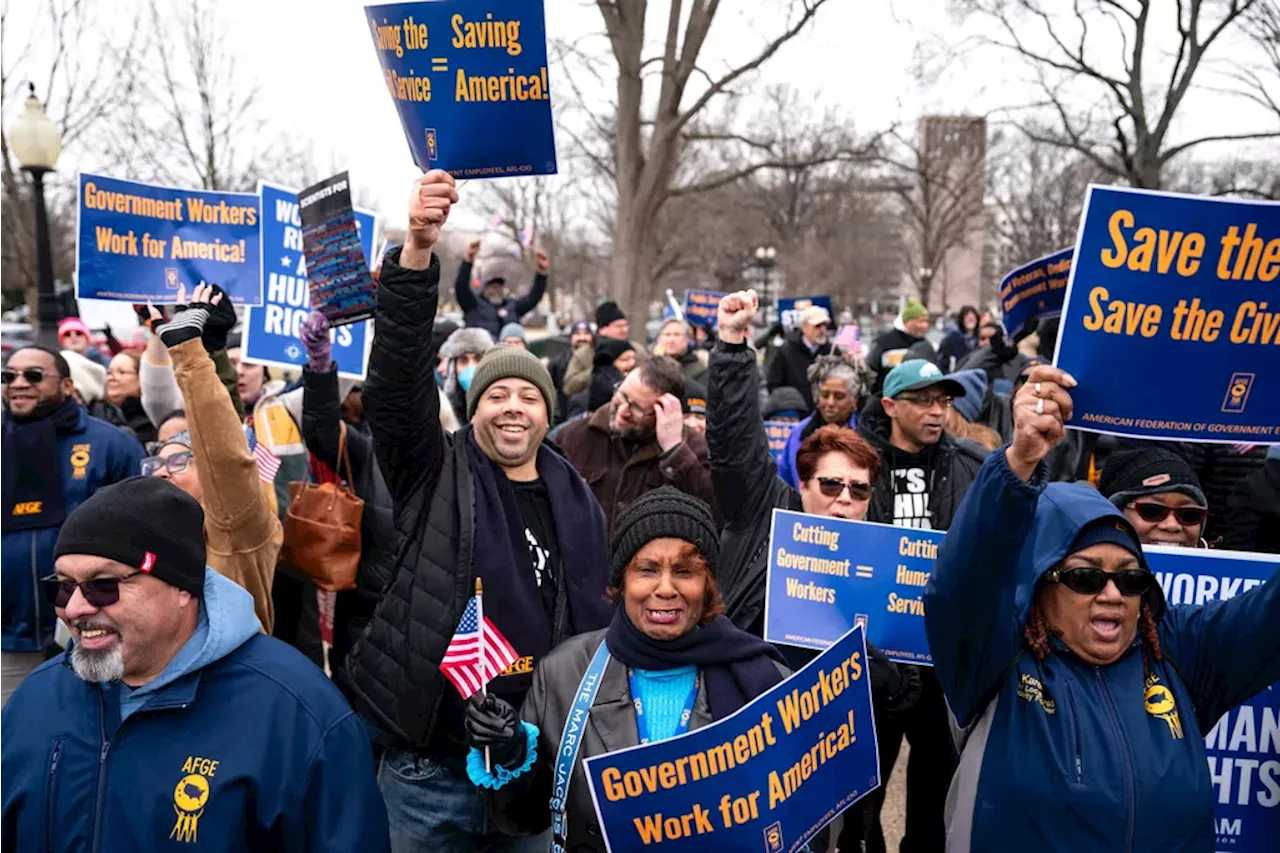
(263, 611)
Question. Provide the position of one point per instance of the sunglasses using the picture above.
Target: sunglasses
(928, 402)
(1089, 580)
(99, 592)
(1155, 513)
(33, 375)
(831, 487)
(176, 464)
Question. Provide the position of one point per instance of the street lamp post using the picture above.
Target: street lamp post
(37, 142)
(766, 257)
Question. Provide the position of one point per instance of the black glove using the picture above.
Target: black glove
(492, 722)
(188, 322)
(222, 319)
(894, 687)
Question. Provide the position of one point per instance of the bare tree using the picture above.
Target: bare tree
(1262, 25)
(193, 120)
(1133, 98)
(649, 133)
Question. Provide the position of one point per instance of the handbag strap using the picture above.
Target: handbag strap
(344, 455)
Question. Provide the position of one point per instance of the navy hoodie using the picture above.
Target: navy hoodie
(1061, 755)
(241, 744)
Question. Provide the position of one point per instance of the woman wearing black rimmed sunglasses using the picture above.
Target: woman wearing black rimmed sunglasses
(1084, 699)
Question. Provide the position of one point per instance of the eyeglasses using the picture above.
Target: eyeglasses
(927, 402)
(175, 464)
(1155, 513)
(99, 592)
(33, 375)
(831, 487)
(1089, 580)
(635, 410)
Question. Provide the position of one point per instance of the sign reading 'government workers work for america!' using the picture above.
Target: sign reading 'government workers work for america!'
(767, 778)
(469, 79)
(1243, 747)
(1172, 318)
(827, 575)
(140, 242)
(1034, 291)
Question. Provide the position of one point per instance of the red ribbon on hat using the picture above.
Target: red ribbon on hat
(148, 561)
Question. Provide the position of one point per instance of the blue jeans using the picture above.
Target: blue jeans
(433, 809)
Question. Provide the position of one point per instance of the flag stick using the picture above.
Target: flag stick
(484, 682)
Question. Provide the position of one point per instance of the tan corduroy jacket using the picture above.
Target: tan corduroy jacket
(243, 535)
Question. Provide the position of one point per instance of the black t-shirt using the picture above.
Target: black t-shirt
(912, 480)
(540, 533)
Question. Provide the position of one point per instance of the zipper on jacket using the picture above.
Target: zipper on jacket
(1075, 736)
(1131, 794)
(35, 589)
(100, 796)
(50, 795)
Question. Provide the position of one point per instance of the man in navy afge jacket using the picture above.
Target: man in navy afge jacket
(54, 456)
(171, 719)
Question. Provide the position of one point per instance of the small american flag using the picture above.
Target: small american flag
(461, 662)
(268, 462)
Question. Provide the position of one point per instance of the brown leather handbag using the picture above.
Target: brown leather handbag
(322, 528)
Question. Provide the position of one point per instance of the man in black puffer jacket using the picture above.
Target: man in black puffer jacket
(490, 501)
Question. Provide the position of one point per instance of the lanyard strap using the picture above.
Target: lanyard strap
(571, 740)
(642, 727)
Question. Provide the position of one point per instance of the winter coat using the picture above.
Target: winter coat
(694, 365)
(1251, 516)
(520, 807)
(480, 313)
(955, 346)
(787, 464)
(954, 464)
(1060, 754)
(577, 375)
(790, 366)
(94, 454)
(617, 476)
(240, 745)
(1220, 469)
(241, 530)
(321, 416)
(137, 421)
(888, 351)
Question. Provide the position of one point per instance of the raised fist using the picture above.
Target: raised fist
(433, 195)
(736, 312)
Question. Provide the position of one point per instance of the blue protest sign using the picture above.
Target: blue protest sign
(702, 307)
(789, 309)
(140, 242)
(827, 575)
(772, 774)
(1171, 323)
(469, 80)
(778, 432)
(1034, 291)
(1244, 746)
(271, 332)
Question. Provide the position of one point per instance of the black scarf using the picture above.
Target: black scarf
(34, 495)
(737, 666)
(502, 559)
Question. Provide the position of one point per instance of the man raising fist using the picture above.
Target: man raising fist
(495, 307)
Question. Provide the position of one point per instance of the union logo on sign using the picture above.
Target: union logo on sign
(1237, 392)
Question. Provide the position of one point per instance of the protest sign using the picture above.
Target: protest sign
(848, 339)
(778, 432)
(773, 773)
(140, 242)
(341, 285)
(789, 309)
(271, 332)
(1244, 746)
(1034, 291)
(1171, 323)
(702, 307)
(469, 80)
(827, 575)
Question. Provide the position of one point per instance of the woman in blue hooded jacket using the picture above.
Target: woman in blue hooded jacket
(1083, 699)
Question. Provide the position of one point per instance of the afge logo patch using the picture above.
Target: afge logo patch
(773, 838)
(1160, 704)
(190, 796)
(1237, 392)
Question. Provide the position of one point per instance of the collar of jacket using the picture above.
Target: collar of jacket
(177, 694)
(599, 421)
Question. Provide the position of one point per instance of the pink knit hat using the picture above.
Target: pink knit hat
(73, 324)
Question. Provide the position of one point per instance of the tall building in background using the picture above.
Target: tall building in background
(952, 160)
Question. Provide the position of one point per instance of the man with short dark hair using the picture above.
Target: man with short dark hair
(172, 719)
(639, 441)
(54, 457)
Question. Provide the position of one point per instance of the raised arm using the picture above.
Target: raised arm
(401, 403)
(530, 300)
(971, 615)
(742, 468)
(160, 393)
(462, 291)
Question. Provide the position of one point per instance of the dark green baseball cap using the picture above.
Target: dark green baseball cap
(919, 373)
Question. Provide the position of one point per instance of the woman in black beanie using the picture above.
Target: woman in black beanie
(670, 662)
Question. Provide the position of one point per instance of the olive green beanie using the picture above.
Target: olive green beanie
(504, 361)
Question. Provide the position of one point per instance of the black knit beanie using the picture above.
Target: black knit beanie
(608, 312)
(609, 350)
(144, 522)
(1148, 470)
(662, 513)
